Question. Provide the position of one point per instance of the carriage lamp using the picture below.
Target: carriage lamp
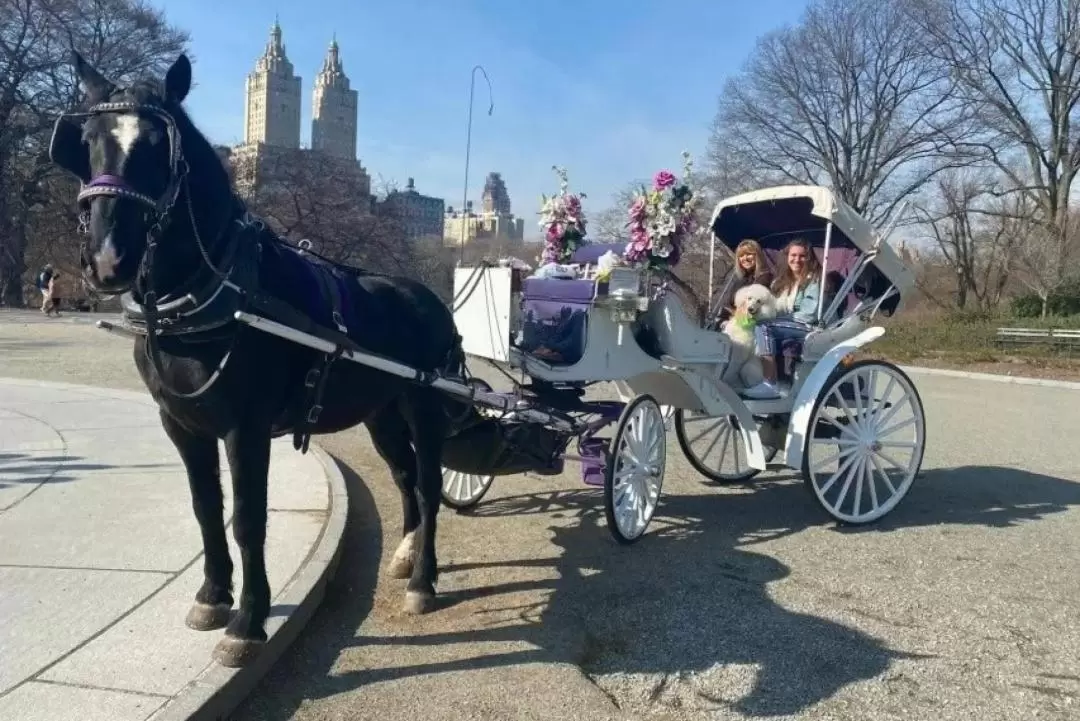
(623, 295)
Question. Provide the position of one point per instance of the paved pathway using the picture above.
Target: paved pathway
(100, 558)
(741, 603)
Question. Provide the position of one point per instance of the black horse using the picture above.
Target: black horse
(165, 229)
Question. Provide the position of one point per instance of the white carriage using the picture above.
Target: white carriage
(855, 429)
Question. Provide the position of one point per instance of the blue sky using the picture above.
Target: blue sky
(612, 95)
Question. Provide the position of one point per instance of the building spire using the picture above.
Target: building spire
(333, 71)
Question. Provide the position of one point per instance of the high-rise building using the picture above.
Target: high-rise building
(272, 113)
(494, 223)
(334, 109)
(495, 200)
(419, 215)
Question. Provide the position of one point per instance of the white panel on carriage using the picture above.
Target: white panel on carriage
(483, 311)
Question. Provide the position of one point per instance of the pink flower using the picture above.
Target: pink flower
(637, 210)
(663, 179)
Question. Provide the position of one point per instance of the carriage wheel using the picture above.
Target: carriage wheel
(714, 448)
(866, 441)
(464, 490)
(634, 473)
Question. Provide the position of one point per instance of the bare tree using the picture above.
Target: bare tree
(964, 218)
(609, 225)
(1016, 63)
(305, 194)
(123, 38)
(850, 97)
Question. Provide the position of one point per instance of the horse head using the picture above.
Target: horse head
(133, 150)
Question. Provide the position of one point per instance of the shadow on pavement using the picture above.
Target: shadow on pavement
(29, 468)
(304, 670)
(689, 598)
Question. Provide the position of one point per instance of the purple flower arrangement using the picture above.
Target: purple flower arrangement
(662, 220)
(563, 222)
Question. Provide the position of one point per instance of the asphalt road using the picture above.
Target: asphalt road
(740, 603)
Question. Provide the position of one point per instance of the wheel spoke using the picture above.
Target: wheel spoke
(894, 428)
(832, 459)
(891, 461)
(860, 475)
(898, 444)
(714, 426)
(870, 483)
(884, 474)
(716, 439)
(839, 471)
(848, 478)
(847, 411)
(844, 428)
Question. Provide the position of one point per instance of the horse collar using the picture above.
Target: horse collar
(207, 303)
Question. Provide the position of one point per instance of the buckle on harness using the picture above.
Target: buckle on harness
(340, 322)
(312, 377)
(313, 414)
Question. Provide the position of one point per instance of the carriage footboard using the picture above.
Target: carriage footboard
(494, 448)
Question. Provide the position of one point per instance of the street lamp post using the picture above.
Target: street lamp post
(468, 150)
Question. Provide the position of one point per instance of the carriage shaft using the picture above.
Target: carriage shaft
(494, 401)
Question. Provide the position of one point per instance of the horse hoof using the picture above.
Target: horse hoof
(208, 616)
(236, 652)
(417, 603)
(400, 568)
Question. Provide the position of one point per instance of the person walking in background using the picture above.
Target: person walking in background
(45, 285)
(56, 292)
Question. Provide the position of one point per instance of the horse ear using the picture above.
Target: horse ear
(97, 87)
(178, 79)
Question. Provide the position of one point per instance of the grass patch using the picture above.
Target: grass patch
(970, 339)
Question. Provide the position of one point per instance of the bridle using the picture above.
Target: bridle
(159, 212)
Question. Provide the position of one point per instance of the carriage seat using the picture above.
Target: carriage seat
(555, 314)
(679, 337)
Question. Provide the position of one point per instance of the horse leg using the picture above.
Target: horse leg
(390, 436)
(425, 413)
(248, 450)
(214, 600)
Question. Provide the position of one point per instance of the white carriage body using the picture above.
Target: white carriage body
(684, 367)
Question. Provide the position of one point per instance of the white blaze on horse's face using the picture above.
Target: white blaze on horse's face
(125, 133)
(106, 259)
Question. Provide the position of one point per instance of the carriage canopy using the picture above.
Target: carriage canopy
(774, 216)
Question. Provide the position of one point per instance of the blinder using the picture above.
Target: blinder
(67, 150)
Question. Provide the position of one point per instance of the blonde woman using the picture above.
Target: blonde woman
(750, 267)
(797, 290)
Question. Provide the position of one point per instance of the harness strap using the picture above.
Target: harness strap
(290, 316)
(315, 382)
(332, 292)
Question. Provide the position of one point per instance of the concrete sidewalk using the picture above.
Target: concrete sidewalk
(100, 558)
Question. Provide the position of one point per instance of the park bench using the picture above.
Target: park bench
(1058, 337)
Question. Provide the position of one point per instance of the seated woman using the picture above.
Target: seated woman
(750, 267)
(797, 291)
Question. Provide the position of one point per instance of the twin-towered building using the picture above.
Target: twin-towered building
(272, 95)
(272, 138)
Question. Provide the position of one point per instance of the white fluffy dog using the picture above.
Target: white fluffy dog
(752, 304)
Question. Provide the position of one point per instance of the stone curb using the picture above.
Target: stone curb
(217, 690)
(993, 377)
